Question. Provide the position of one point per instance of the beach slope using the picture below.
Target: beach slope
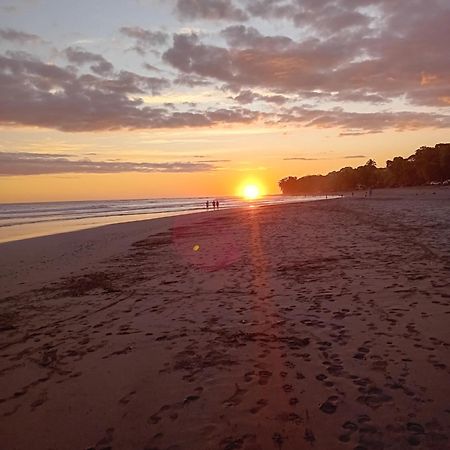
(318, 325)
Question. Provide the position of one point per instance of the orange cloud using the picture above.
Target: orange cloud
(427, 78)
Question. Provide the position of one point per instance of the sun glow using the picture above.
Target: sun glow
(251, 191)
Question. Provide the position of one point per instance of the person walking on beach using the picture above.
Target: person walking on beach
(214, 204)
(207, 204)
(217, 204)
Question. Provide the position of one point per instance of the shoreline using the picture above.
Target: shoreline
(55, 224)
(333, 196)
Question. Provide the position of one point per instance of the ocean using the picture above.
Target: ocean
(27, 220)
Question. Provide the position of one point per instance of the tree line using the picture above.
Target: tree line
(426, 165)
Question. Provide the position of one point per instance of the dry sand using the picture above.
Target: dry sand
(318, 325)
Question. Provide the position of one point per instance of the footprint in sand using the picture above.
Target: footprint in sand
(248, 376)
(126, 399)
(330, 405)
(236, 398)
(261, 403)
(373, 397)
(309, 436)
(264, 376)
(190, 399)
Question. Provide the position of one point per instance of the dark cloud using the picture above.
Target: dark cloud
(39, 94)
(99, 64)
(325, 15)
(126, 82)
(321, 159)
(357, 133)
(239, 115)
(20, 37)
(151, 67)
(210, 10)
(145, 40)
(216, 161)
(191, 80)
(369, 122)
(294, 158)
(45, 95)
(299, 66)
(190, 56)
(240, 36)
(247, 96)
(21, 163)
(371, 51)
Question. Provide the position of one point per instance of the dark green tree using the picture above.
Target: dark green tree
(426, 165)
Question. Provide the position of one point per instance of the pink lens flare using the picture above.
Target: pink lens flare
(206, 243)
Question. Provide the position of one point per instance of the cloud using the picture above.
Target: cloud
(357, 133)
(300, 66)
(126, 82)
(99, 64)
(240, 36)
(191, 80)
(45, 95)
(38, 94)
(332, 52)
(20, 37)
(367, 122)
(294, 158)
(327, 16)
(299, 158)
(145, 40)
(22, 163)
(151, 67)
(396, 52)
(210, 10)
(216, 161)
(245, 97)
(374, 51)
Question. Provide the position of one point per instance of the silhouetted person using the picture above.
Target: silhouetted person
(217, 204)
(207, 204)
(214, 204)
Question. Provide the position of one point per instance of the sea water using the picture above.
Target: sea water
(26, 220)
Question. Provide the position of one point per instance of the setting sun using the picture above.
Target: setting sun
(251, 191)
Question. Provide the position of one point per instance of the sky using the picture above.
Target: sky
(112, 99)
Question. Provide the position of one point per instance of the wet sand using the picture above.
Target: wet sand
(319, 325)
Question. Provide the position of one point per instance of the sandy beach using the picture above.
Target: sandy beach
(321, 325)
